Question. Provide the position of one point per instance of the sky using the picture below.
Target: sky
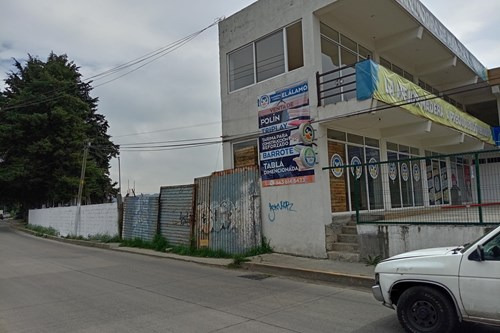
(176, 97)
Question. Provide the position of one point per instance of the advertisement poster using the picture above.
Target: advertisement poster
(286, 136)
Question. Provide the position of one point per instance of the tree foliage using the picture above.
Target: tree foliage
(47, 117)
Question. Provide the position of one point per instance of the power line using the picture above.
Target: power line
(143, 60)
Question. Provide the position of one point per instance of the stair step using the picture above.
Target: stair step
(343, 256)
(347, 238)
(345, 247)
(351, 230)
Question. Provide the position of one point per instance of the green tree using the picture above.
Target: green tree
(47, 117)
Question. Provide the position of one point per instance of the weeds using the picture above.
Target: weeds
(372, 260)
(42, 231)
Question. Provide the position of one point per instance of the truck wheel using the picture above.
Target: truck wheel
(425, 309)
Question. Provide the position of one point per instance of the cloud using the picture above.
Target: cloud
(180, 89)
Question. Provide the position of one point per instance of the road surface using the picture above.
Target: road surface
(47, 286)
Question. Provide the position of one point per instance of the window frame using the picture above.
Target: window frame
(253, 44)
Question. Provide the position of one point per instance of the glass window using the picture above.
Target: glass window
(392, 146)
(330, 61)
(336, 135)
(364, 53)
(385, 63)
(398, 70)
(329, 32)
(241, 68)
(349, 43)
(348, 58)
(294, 45)
(394, 180)
(372, 142)
(408, 76)
(353, 138)
(374, 179)
(245, 153)
(270, 56)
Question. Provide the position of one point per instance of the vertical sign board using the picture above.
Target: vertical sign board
(285, 154)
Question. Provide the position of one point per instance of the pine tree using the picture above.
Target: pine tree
(47, 116)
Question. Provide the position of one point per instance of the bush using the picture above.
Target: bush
(41, 231)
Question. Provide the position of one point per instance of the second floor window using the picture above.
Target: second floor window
(267, 57)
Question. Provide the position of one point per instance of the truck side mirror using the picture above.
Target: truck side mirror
(478, 254)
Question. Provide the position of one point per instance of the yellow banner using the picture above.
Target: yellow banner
(394, 89)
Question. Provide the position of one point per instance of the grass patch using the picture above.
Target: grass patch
(42, 231)
(372, 260)
(160, 244)
(101, 238)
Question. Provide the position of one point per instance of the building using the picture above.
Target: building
(309, 84)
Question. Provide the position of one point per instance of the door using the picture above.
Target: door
(480, 281)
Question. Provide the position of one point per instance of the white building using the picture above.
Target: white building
(270, 54)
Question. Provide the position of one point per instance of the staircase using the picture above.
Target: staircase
(342, 242)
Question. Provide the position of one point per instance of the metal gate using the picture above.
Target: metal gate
(228, 210)
(140, 218)
(177, 214)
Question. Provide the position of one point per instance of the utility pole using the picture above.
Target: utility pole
(80, 188)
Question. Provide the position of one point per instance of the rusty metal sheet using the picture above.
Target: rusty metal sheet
(177, 214)
(228, 210)
(140, 217)
(202, 212)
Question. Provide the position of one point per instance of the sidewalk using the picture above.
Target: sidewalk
(350, 274)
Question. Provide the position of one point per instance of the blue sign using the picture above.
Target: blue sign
(496, 135)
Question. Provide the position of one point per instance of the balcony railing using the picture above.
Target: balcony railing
(336, 85)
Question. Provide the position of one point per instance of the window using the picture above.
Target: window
(492, 249)
(351, 149)
(245, 153)
(396, 69)
(294, 45)
(270, 56)
(241, 68)
(339, 51)
(266, 57)
(405, 176)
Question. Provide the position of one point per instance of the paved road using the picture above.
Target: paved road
(47, 286)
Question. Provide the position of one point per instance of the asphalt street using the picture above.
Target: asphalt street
(47, 286)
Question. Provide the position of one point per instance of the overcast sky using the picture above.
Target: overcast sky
(178, 96)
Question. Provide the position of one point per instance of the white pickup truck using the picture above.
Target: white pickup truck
(435, 289)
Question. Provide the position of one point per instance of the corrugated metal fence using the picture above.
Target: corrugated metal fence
(140, 218)
(228, 210)
(177, 214)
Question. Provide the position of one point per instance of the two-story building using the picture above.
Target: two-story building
(309, 84)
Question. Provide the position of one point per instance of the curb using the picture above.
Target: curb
(308, 274)
(64, 240)
(344, 279)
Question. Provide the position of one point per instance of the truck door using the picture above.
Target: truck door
(480, 280)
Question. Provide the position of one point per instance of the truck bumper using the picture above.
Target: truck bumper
(377, 293)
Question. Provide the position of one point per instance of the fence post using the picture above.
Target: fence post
(318, 88)
(356, 196)
(478, 186)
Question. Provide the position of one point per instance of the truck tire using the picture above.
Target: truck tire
(425, 309)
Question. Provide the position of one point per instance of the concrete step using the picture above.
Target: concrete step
(351, 230)
(347, 238)
(345, 247)
(343, 256)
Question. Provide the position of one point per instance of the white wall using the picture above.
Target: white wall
(403, 238)
(94, 219)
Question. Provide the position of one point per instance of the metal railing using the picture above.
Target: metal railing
(333, 84)
(457, 189)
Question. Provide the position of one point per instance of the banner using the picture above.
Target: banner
(388, 87)
(285, 153)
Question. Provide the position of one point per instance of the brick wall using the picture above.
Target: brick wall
(94, 219)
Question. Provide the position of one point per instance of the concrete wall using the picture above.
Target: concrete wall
(94, 219)
(389, 240)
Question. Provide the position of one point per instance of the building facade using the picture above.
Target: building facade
(310, 86)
